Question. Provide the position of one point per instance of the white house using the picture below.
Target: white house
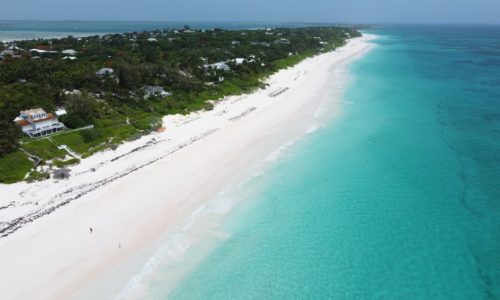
(222, 65)
(104, 72)
(152, 40)
(41, 51)
(239, 60)
(61, 111)
(36, 122)
(11, 51)
(155, 90)
(69, 52)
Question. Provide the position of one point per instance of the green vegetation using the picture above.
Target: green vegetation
(43, 148)
(14, 166)
(37, 176)
(194, 66)
(292, 60)
(69, 162)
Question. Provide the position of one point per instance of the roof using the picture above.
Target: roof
(21, 122)
(49, 117)
(33, 111)
(219, 66)
(61, 112)
(42, 51)
(69, 51)
(153, 89)
(239, 60)
(104, 71)
(12, 48)
(7, 52)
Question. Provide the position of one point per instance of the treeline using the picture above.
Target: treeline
(174, 59)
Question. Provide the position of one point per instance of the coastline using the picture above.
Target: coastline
(135, 194)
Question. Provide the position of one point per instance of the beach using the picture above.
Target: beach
(57, 236)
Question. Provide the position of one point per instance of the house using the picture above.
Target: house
(41, 51)
(239, 60)
(104, 72)
(73, 92)
(61, 111)
(218, 66)
(282, 41)
(263, 44)
(158, 91)
(36, 122)
(70, 52)
(12, 52)
(7, 52)
(152, 40)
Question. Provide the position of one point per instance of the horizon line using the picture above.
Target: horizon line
(259, 22)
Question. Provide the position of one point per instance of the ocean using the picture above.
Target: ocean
(398, 197)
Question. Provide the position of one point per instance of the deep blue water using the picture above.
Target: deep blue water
(399, 198)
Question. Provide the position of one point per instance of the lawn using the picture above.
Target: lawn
(44, 148)
(14, 166)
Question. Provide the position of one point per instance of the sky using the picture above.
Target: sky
(330, 11)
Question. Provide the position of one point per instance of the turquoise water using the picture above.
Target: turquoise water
(399, 198)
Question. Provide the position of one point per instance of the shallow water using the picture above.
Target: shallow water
(396, 198)
(399, 198)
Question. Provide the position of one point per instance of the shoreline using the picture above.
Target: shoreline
(133, 195)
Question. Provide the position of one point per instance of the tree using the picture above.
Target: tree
(81, 109)
(8, 136)
(129, 76)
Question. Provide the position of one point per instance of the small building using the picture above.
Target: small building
(42, 51)
(158, 91)
(282, 41)
(61, 111)
(12, 52)
(222, 65)
(73, 92)
(152, 40)
(104, 72)
(263, 44)
(70, 52)
(239, 61)
(36, 122)
(7, 52)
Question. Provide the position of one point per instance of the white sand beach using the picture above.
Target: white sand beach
(133, 195)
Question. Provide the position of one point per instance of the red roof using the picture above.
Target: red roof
(22, 123)
(43, 47)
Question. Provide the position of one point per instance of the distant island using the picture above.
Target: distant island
(64, 99)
